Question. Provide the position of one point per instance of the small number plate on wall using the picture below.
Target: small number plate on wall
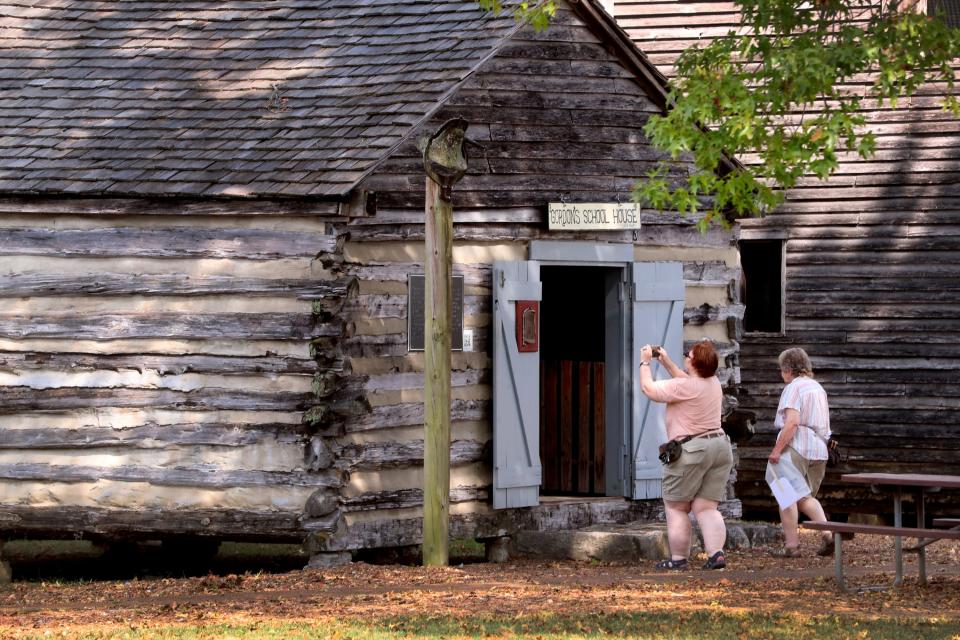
(416, 303)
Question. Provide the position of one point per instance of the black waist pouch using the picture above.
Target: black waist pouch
(670, 451)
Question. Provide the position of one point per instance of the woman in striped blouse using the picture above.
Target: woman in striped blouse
(803, 418)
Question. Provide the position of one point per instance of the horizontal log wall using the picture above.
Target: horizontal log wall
(387, 440)
(136, 330)
(870, 282)
(557, 116)
(883, 344)
(383, 447)
(156, 364)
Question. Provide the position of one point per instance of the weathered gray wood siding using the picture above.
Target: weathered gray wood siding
(205, 367)
(155, 366)
(557, 116)
(871, 272)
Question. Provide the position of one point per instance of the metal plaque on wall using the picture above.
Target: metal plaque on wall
(416, 303)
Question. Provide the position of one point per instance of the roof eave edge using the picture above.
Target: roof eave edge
(494, 50)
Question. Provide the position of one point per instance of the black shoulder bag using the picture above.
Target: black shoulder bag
(836, 456)
(670, 450)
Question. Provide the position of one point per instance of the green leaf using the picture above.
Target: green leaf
(775, 90)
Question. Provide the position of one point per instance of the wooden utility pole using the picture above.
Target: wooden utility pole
(445, 162)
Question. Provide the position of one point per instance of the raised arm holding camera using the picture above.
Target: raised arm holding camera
(696, 479)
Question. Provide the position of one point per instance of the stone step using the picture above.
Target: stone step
(632, 542)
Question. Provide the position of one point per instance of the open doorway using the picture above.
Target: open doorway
(575, 430)
(584, 291)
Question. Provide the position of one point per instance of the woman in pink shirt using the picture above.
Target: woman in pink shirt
(697, 480)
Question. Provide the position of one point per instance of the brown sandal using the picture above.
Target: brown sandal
(786, 552)
(826, 547)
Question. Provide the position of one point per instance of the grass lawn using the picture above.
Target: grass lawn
(655, 626)
(248, 592)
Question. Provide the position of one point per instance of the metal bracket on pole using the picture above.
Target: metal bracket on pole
(445, 156)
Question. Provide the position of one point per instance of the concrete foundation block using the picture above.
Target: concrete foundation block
(630, 543)
(498, 549)
(762, 534)
(599, 546)
(737, 537)
(743, 535)
(329, 560)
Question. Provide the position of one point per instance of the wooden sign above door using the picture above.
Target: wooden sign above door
(567, 216)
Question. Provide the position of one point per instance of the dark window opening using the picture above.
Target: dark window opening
(947, 10)
(762, 286)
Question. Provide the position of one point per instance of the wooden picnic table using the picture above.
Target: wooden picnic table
(897, 483)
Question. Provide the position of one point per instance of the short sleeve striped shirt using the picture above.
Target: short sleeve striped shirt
(807, 397)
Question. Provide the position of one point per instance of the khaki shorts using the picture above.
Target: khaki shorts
(811, 470)
(702, 471)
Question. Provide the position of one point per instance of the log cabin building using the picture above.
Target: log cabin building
(861, 270)
(211, 232)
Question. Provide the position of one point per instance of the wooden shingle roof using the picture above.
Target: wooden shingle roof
(223, 98)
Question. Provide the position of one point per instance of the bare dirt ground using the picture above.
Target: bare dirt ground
(753, 581)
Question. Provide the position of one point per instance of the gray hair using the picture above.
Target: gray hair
(796, 361)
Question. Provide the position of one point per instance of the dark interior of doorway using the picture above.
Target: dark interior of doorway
(572, 424)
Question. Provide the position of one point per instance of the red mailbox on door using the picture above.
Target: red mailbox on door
(528, 325)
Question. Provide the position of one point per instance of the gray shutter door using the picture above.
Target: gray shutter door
(516, 391)
(657, 319)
